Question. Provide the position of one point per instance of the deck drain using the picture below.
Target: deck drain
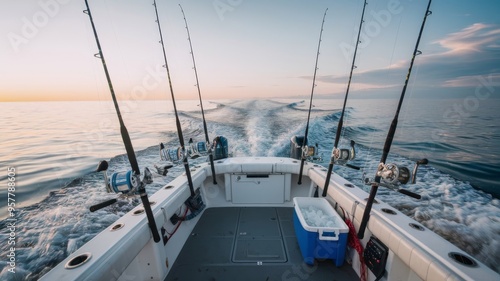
(416, 226)
(117, 226)
(462, 259)
(349, 185)
(388, 211)
(138, 212)
(169, 186)
(78, 260)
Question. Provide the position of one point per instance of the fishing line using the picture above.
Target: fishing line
(211, 157)
(125, 135)
(303, 147)
(177, 121)
(369, 165)
(391, 133)
(407, 111)
(124, 66)
(126, 139)
(90, 44)
(335, 151)
(411, 83)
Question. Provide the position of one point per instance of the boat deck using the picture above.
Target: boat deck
(249, 243)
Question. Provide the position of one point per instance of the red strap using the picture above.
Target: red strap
(353, 242)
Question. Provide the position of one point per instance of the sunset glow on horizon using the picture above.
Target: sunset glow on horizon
(243, 49)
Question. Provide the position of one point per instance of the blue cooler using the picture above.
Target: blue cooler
(320, 242)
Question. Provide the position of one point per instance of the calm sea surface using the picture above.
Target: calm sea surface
(55, 146)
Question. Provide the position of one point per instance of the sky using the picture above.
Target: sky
(247, 49)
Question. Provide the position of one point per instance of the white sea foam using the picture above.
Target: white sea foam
(51, 229)
(467, 217)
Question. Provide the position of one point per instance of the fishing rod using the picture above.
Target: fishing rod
(183, 153)
(390, 134)
(344, 154)
(211, 157)
(304, 147)
(135, 184)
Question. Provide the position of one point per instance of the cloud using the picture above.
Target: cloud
(477, 38)
(492, 80)
(474, 49)
(463, 58)
(370, 80)
(468, 54)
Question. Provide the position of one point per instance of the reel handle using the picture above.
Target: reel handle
(409, 193)
(423, 161)
(102, 166)
(102, 205)
(341, 156)
(352, 166)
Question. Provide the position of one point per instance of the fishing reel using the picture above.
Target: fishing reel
(310, 152)
(124, 183)
(195, 150)
(173, 155)
(341, 156)
(218, 148)
(299, 149)
(392, 175)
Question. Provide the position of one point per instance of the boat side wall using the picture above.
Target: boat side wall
(414, 254)
(130, 252)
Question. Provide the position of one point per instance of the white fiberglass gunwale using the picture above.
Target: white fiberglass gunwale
(130, 250)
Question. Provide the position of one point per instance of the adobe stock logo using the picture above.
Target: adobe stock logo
(32, 26)
(223, 6)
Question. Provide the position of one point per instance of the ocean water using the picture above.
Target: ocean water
(55, 146)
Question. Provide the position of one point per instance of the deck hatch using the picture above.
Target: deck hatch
(259, 250)
(221, 248)
(259, 237)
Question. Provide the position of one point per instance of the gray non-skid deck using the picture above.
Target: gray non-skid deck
(249, 243)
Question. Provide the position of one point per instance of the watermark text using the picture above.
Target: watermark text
(11, 220)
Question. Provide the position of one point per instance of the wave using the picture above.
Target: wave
(427, 145)
(361, 130)
(61, 222)
(314, 108)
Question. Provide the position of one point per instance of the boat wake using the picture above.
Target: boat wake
(50, 230)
